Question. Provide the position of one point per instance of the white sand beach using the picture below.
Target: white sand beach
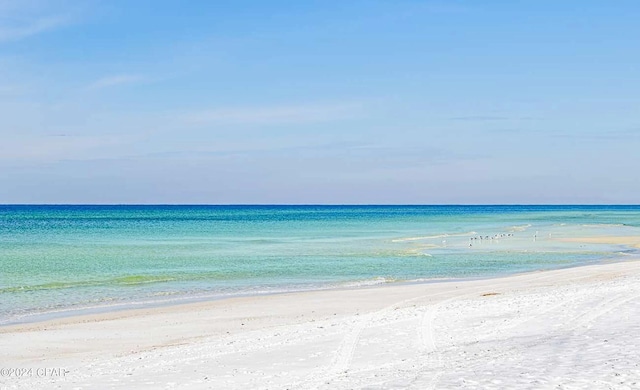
(574, 328)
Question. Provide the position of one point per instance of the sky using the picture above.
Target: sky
(320, 102)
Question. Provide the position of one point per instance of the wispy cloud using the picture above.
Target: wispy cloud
(114, 80)
(16, 32)
(276, 114)
(22, 19)
(11, 90)
(479, 118)
(59, 147)
(445, 7)
(608, 135)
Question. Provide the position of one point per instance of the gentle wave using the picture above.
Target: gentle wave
(49, 286)
(519, 228)
(124, 280)
(170, 297)
(143, 279)
(444, 235)
(369, 282)
(597, 225)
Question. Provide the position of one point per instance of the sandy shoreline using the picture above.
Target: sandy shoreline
(572, 327)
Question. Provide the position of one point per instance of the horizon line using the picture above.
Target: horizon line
(319, 204)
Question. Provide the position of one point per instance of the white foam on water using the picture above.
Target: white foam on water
(444, 235)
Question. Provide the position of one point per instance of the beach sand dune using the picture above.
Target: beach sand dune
(571, 328)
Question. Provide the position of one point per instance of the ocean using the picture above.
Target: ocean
(66, 260)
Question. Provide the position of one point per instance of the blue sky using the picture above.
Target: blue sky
(404, 101)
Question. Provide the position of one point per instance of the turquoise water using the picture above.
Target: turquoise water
(57, 259)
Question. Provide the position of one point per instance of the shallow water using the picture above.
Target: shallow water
(61, 258)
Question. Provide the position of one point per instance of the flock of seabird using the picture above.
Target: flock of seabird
(488, 238)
